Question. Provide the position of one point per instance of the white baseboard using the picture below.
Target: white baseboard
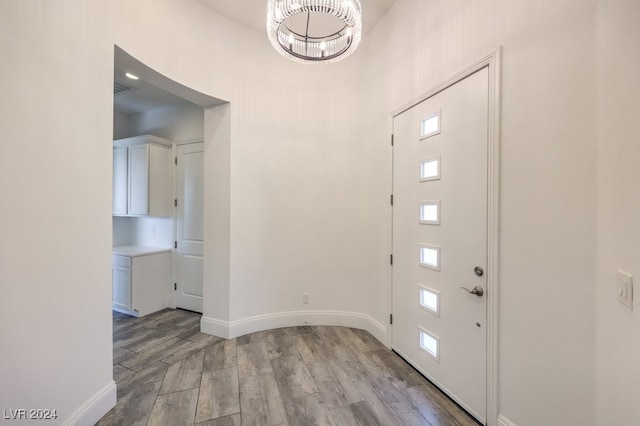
(231, 329)
(503, 421)
(215, 327)
(95, 408)
(124, 311)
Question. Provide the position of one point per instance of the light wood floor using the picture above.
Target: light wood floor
(168, 373)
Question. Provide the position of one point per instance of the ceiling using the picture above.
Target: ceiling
(252, 13)
(152, 90)
(137, 96)
(144, 95)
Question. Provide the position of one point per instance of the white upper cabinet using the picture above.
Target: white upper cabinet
(120, 181)
(141, 176)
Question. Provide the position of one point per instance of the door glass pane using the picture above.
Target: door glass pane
(430, 212)
(430, 126)
(430, 257)
(430, 169)
(430, 299)
(430, 343)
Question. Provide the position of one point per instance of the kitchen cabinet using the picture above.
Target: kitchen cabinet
(141, 176)
(121, 282)
(141, 279)
(120, 180)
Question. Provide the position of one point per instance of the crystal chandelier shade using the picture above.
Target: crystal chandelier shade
(313, 31)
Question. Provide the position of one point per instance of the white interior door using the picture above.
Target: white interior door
(189, 225)
(440, 239)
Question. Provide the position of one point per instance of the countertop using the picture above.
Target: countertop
(133, 251)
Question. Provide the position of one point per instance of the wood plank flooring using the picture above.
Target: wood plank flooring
(168, 373)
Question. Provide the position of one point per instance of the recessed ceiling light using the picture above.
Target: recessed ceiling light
(131, 76)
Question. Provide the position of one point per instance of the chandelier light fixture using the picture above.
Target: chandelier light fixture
(314, 31)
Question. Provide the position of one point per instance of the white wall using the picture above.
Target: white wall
(177, 122)
(123, 231)
(55, 177)
(121, 125)
(618, 61)
(548, 193)
(143, 231)
(299, 193)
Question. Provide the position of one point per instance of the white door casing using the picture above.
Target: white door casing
(189, 225)
(463, 235)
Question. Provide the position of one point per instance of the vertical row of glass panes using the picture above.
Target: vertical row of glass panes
(429, 255)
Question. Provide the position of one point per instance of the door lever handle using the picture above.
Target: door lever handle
(477, 290)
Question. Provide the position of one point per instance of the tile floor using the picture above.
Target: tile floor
(168, 373)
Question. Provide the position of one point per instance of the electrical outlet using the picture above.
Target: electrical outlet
(625, 289)
(305, 298)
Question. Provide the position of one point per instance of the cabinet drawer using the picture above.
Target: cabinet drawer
(122, 261)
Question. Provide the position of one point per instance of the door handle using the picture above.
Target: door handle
(477, 290)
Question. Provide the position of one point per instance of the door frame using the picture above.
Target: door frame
(174, 217)
(492, 62)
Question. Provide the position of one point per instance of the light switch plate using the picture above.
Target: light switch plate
(625, 289)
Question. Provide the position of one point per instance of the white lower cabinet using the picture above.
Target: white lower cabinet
(121, 282)
(141, 283)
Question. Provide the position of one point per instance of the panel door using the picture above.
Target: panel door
(190, 225)
(440, 239)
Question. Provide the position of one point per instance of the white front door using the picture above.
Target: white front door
(189, 226)
(440, 239)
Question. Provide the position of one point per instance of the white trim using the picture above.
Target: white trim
(488, 60)
(215, 327)
(503, 421)
(139, 140)
(95, 408)
(493, 62)
(231, 329)
(188, 141)
(125, 311)
(174, 220)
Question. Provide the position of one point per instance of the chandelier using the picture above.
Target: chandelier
(312, 31)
